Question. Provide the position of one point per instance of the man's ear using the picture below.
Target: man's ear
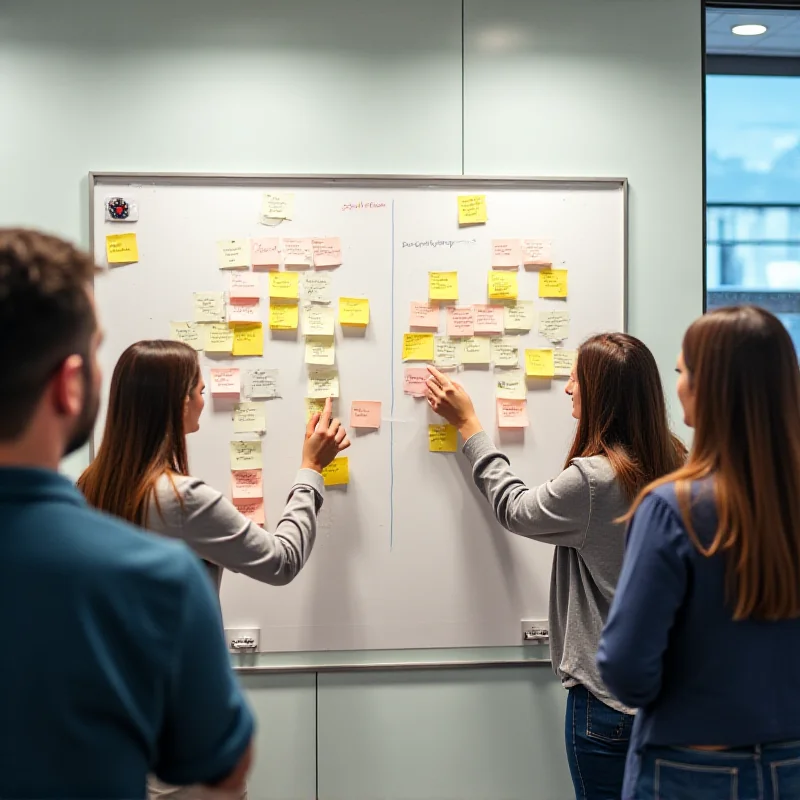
(68, 387)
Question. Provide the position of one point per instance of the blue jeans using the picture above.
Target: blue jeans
(768, 772)
(597, 739)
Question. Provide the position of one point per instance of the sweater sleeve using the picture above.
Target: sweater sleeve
(218, 532)
(557, 512)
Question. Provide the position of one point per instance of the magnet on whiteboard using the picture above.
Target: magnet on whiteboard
(121, 209)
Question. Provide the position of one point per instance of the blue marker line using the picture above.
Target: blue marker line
(391, 421)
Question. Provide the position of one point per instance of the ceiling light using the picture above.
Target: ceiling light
(749, 30)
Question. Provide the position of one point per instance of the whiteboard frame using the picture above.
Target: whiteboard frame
(97, 179)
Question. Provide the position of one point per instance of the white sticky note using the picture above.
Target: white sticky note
(244, 312)
(518, 316)
(511, 385)
(209, 307)
(249, 418)
(323, 382)
(554, 325)
(505, 351)
(187, 332)
(276, 207)
(318, 320)
(262, 384)
(475, 350)
(233, 254)
(446, 352)
(563, 361)
(320, 351)
(317, 287)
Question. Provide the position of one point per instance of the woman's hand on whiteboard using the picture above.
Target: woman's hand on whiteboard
(451, 401)
(325, 439)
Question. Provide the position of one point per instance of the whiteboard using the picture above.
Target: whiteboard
(408, 555)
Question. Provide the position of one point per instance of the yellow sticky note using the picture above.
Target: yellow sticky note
(248, 339)
(121, 248)
(472, 209)
(502, 285)
(337, 473)
(418, 347)
(317, 404)
(553, 283)
(218, 338)
(443, 285)
(284, 286)
(442, 438)
(353, 311)
(283, 317)
(539, 363)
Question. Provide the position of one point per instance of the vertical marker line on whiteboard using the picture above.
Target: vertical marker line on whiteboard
(391, 421)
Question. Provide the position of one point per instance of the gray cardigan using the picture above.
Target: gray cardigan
(576, 512)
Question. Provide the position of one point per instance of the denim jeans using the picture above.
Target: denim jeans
(768, 772)
(597, 739)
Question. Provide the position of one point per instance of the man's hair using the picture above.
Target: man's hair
(46, 315)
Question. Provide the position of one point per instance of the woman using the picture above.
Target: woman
(141, 474)
(704, 632)
(622, 443)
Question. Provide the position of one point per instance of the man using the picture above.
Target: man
(113, 663)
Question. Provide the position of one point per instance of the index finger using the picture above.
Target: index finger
(325, 417)
(438, 376)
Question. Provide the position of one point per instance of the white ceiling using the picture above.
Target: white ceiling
(781, 39)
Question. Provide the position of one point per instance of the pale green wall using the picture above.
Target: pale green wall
(550, 87)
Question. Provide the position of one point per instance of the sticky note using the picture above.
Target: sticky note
(518, 316)
(414, 379)
(262, 384)
(553, 283)
(502, 285)
(248, 339)
(225, 382)
(417, 347)
(276, 206)
(488, 320)
(446, 352)
(209, 307)
(234, 254)
(252, 509)
(512, 413)
(327, 252)
(317, 287)
(246, 484)
(298, 253)
(475, 350)
(365, 414)
(284, 286)
(460, 321)
(554, 325)
(472, 209)
(246, 455)
(186, 332)
(443, 286)
(244, 312)
(249, 418)
(506, 253)
(283, 317)
(511, 385)
(337, 473)
(563, 361)
(316, 405)
(122, 248)
(217, 338)
(354, 311)
(318, 320)
(424, 315)
(320, 351)
(244, 286)
(265, 253)
(505, 351)
(539, 363)
(323, 382)
(442, 438)
(537, 252)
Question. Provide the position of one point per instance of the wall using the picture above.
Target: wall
(552, 87)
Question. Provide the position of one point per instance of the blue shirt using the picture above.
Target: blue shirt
(672, 649)
(113, 662)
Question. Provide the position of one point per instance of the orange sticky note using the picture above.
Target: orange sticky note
(506, 253)
(246, 484)
(225, 383)
(265, 252)
(365, 414)
(512, 413)
(414, 379)
(252, 509)
(460, 321)
(327, 252)
(424, 315)
(488, 320)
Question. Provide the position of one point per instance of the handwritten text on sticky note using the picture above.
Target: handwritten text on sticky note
(262, 384)
(337, 473)
(246, 455)
(475, 350)
(442, 438)
(414, 379)
(217, 338)
(320, 351)
(472, 209)
(284, 286)
(225, 382)
(539, 363)
(233, 254)
(443, 285)
(298, 252)
(502, 285)
(246, 484)
(506, 253)
(248, 339)
(511, 385)
(537, 252)
(249, 418)
(354, 311)
(265, 253)
(553, 283)
(122, 248)
(424, 315)
(488, 320)
(186, 332)
(505, 351)
(519, 316)
(512, 413)
(209, 307)
(460, 321)
(323, 382)
(563, 362)
(417, 347)
(244, 286)
(365, 414)
(327, 252)
(446, 352)
(283, 317)
(554, 325)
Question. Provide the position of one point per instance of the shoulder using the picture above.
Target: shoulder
(598, 473)
(181, 495)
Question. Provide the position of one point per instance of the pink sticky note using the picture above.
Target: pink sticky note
(246, 484)
(252, 509)
(365, 414)
(488, 320)
(247, 311)
(460, 321)
(537, 252)
(298, 253)
(506, 253)
(414, 379)
(265, 253)
(225, 383)
(424, 315)
(244, 286)
(327, 252)
(512, 413)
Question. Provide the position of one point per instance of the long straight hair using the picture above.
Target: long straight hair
(623, 413)
(144, 435)
(743, 371)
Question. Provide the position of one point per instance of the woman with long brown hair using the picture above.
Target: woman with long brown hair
(622, 442)
(704, 632)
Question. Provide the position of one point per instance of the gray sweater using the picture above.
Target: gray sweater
(575, 512)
